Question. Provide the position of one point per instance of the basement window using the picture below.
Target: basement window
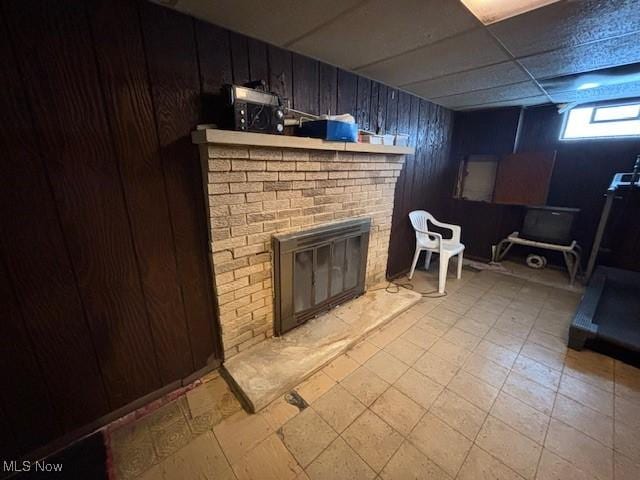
(611, 121)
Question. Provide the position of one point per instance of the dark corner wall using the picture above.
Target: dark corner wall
(581, 175)
(105, 278)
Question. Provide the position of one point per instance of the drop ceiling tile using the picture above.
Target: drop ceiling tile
(274, 21)
(491, 95)
(567, 23)
(607, 53)
(485, 77)
(609, 92)
(380, 29)
(516, 102)
(466, 51)
(608, 76)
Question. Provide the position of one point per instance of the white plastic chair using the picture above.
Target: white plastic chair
(433, 242)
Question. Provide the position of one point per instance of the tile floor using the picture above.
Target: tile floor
(476, 385)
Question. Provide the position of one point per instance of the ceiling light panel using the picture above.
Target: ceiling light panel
(492, 11)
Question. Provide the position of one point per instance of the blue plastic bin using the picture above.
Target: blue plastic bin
(329, 130)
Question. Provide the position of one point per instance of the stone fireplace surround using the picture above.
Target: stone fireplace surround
(258, 185)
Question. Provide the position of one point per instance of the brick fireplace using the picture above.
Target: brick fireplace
(259, 185)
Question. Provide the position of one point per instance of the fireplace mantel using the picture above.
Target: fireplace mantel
(229, 137)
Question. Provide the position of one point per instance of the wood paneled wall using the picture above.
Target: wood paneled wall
(581, 175)
(105, 278)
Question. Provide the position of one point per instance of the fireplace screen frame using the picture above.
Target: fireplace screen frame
(285, 248)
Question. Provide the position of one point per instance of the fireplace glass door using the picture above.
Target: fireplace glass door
(325, 271)
(317, 269)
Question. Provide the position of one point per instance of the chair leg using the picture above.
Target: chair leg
(459, 275)
(427, 260)
(413, 264)
(442, 274)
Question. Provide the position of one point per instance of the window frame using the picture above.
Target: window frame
(596, 106)
(629, 119)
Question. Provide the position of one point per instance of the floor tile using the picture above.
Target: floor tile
(627, 379)
(201, 458)
(200, 400)
(500, 355)
(474, 390)
(472, 326)
(279, 412)
(270, 460)
(444, 314)
(340, 367)
(461, 338)
(544, 355)
(530, 392)
(409, 463)
(398, 410)
(590, 369)
(365, 385)
(592, 360)
(563, 301)
(579, 449)
(433, 325)
(479, 465)
(554, 323)
(524, 316)
(627, 412)
(421, 336)
(306, 435)
(499, 337)
(530, 306)
(547, 340)
(552, 467)
(450, 352)
(302, 476)
(339, 462)
(512, 327)
(386, 366)
(486, 370)
(627, 441)
(164, 416)
(472, 291)
(171, 438)
(458, 413)
(490, 306)
(454, 306)
(510, 447)
(315, 386)
(418, 388)
(240, 433)
(625, 468)
(587, 394)
(383, 337)
(535, 291)
(521, 417)
(338, 408)
(132, 450)
(537, 372)
(373, 439)
(436, 368)
(594, 424)
(442, 444)
(362, 352)
(484, 316)
(404, 350)
(224, 404)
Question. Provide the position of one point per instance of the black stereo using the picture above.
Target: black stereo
(253, 110)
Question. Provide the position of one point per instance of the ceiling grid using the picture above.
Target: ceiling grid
(438, 50)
